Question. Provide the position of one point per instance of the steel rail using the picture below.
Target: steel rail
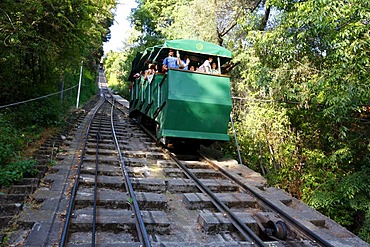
(303, 229)
(64, 235)
(140, 227)
(95, 190)
(307, 232)
(96, 182)
(238, 224)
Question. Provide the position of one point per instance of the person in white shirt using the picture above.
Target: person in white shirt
(206, 66)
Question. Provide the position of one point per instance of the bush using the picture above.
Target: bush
(23, 124)
(41, 113)
(9, 143)
(346, 199)
(15, 171)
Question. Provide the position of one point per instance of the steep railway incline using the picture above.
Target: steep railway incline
(169, 198)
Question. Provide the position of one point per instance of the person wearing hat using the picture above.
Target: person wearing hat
(170, 62)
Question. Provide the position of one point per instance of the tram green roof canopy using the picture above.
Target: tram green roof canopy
(197, 46)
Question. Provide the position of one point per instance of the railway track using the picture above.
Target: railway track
(122, 189)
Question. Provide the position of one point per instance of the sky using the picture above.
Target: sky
(120, 29)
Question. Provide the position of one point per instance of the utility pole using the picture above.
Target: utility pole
(79, 85)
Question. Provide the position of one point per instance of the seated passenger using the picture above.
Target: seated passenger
(214, 69)
(170, 62)
(192, 68)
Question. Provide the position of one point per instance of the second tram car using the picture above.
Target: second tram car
(183, 104)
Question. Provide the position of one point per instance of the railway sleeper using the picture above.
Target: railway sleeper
(199, 173)
(188, 186)
(143, 154)
(137, 162)
(101, 151)
(9, 209)
(5, 220)
(294, 207)
(214, 223)
(149, 185)
(12, 198)
(154, 148)
(166, 164)
(103, 128)
(103, 169)
(129, 137)
(22, 189)
(28, 181)
(91, 141)
(122, 131)
(106, 238)
(231, 200)
(197, 165)
(133, 148)
(103, 122)
(105, 145)
(46, 151)
(119, 220)
(102, 181)
(208, 244)
(102, 136)
(112, 160)
(117, 199)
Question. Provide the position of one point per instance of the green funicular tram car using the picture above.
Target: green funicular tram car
(184, 105)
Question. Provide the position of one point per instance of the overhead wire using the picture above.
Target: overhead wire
(34, 99)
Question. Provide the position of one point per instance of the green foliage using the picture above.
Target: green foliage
(130, 200)
(323, 54)
(15, 171)
(312, 66)
(89, 86)
(344, 198)
(42, 113)
(117, 69)
(204, 20)
(9, 144)
(364, 231)
(301, 89)
(41, 49)
(42, 40)
(22, 125)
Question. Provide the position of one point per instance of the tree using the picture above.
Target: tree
(314, 64)
(205, 20)
(42, 39)
(300, 86)
(42, 43)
